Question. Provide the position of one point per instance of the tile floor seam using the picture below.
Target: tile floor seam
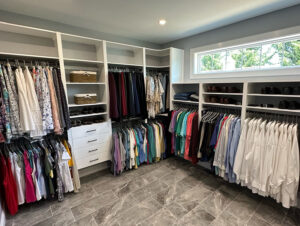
(228, 206)
(224, 211)
(260, 203)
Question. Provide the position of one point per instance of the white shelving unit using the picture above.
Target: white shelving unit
(185, 101)
(85, 105)
(83, 53)
(249, 95)
(88, 115)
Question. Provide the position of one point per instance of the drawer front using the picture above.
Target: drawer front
(88, 161)
(89, 141)
(90, 130)
(91, 150)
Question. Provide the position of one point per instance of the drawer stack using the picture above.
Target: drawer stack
(91, 143)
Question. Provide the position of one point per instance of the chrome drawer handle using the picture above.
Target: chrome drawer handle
(93, 150)
(93, 130)
(94, 160)
(92, 141)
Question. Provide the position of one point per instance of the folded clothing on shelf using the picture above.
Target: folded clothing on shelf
(194, 97)
(183, 96)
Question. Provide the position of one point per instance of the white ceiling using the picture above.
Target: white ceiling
(139, 18)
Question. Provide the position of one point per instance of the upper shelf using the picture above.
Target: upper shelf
(186, 101)
(223, 94)
(122, 54)
(83, 61)
(273, 95)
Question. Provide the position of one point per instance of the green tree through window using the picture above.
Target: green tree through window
(265, 56)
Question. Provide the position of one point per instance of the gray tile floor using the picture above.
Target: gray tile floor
(171, 192)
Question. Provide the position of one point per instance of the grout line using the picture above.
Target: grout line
(259, 204)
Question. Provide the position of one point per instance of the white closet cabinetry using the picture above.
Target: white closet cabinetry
(91, 144)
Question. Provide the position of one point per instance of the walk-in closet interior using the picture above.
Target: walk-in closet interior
(150, 113)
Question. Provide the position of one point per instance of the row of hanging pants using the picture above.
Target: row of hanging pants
(132, 146)
(127, 95)
(30, 172)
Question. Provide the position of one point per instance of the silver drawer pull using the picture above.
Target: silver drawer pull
(93, 150)
(94, 160)
(92, 130)
(92, 141)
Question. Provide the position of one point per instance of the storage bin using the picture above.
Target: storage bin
(83, 76)
(89, 98)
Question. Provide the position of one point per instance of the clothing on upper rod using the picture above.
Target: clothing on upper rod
(127, 95)
(33, 102)
(157, 93)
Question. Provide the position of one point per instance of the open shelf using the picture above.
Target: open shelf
(18, 55)
(126, 64)
(83, 61)
(83, 105)
(88, 115)
(163, 66)
(122, 54)
(273, 95)
(157, 58)
(186, 101)
(223, 94)
(223, 105)
(81, 49)
(16, 40)
(85, 83)
(272, 109)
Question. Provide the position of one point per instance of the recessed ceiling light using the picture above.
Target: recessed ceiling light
(162, 22)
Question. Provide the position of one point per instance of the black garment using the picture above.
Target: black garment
(140, 85)
(118, 92)
(130, 100)
(63, 101)
(58, 95)
(136, 95)
(113, 105)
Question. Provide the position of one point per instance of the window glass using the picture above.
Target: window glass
(251, 57)
(218, 61)
(234, 59)
(206, 63)
(291, 54)
(271, 55)
(262, 56)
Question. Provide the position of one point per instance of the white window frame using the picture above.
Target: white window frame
(250, 41)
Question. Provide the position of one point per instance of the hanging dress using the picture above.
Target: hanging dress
(26, 120)
(29, 191)
(34, 105)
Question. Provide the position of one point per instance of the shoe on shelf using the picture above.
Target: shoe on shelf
(283, 104)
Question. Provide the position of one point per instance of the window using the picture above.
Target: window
(258, 56)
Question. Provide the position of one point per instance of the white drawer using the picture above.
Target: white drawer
(89, 130)
(91, 150)
(84, 152)
(88, 161)
(89, 141)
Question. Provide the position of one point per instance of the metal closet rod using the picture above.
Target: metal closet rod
(224, 110)
(22, 62)
(274, 115)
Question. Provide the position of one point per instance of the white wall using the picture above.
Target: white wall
(54, 26)
(277, 20)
